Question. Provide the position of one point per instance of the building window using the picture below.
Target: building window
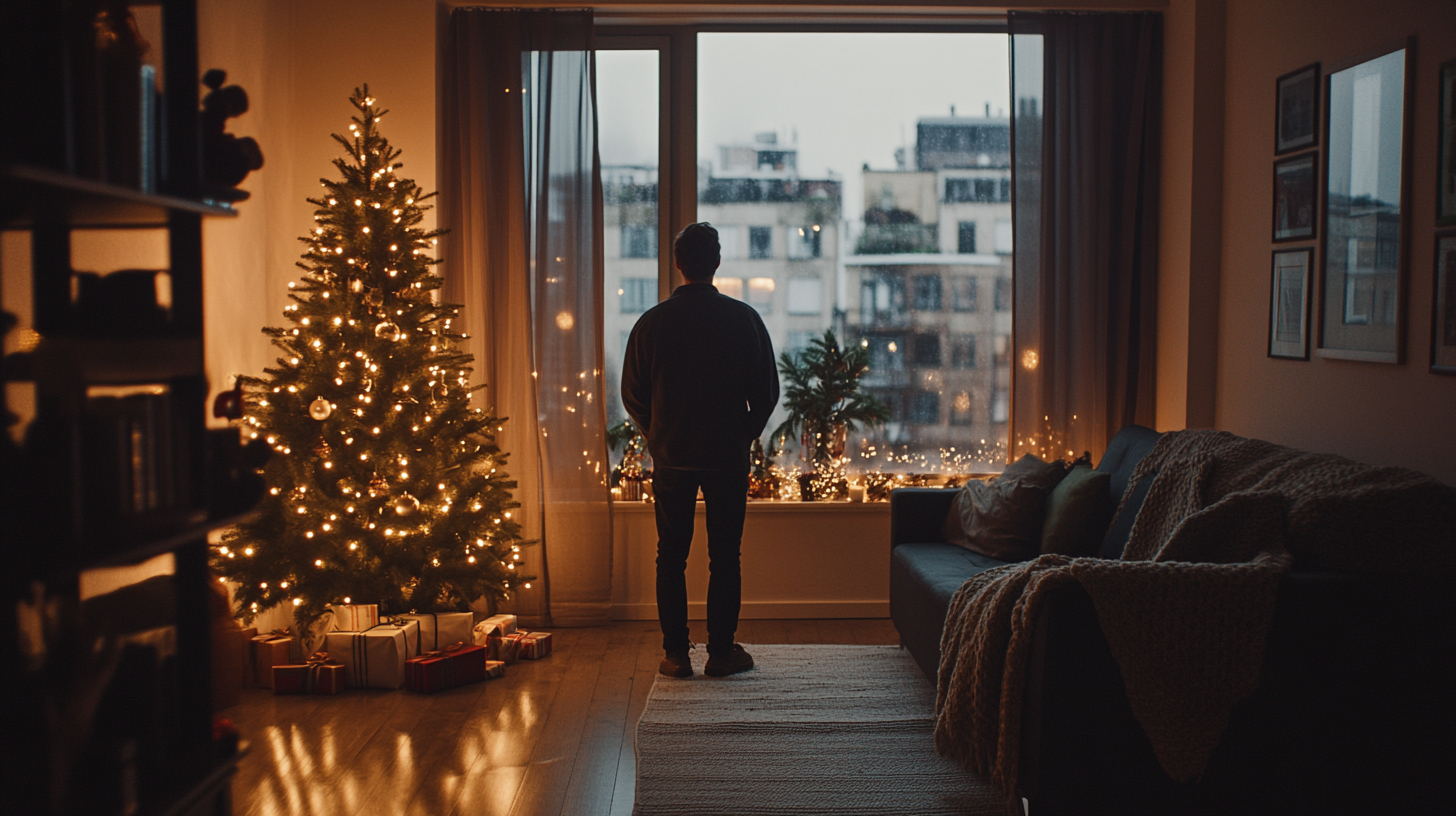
(639, 240)
(1003, 349)
(925, 408)
(732, 287)
(1004, 238)
(925, 350)
(960, 409)
(887, 354)
(728, 242)
(963, 351)
(1005, 189)
(1003, 294)
(882, 299)
(1000, 406)
(760, 294)
(805, 296)
(964, 291)
(760, 242)
(638, 294)
(927, 293)
(804, 242)
(966, 238)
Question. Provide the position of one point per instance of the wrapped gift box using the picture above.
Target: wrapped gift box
(320, 675)
(440, 629)
(354, 617)
(494, 669)
(277, 648)
(535, 645)
(374, 658)
(506, 649)
(444, 669)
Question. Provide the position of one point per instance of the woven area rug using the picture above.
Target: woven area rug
(810, 730)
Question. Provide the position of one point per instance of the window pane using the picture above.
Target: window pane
(966, 237)
(805, 296)
(760, 242)
(902, 163)
(627, 108)
(760, 294)
(732, 287)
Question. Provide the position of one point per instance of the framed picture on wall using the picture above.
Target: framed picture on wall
(1446, 150)
(1289, 304)
(1295, 204)
(1296, 123)
(1443, 306)
(1362, 309)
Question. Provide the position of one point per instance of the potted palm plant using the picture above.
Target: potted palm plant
(824, 403)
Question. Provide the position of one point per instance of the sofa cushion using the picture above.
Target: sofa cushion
(1002, 518)
(1077, 514)
(941, 568)
(923, 579)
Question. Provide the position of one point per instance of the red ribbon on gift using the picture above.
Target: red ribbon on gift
(456, 646)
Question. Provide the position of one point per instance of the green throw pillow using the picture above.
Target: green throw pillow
(1077, 514)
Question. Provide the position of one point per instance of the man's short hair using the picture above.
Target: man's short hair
(696, 250)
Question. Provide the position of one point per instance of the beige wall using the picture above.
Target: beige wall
(299, 62)
(1378, 413)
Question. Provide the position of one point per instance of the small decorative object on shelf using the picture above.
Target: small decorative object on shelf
(226, 159)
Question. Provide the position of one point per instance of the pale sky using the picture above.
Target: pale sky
(849, 98)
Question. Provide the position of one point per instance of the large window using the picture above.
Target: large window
(859, 182)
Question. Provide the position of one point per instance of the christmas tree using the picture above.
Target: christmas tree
(384, 485)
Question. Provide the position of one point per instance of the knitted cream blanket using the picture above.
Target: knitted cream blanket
(1187, 609)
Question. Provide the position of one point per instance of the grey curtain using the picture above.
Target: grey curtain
(521, 199)
(1086, 129)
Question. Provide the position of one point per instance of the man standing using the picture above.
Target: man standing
(699, 379)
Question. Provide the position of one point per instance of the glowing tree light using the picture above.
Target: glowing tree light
(384, 484)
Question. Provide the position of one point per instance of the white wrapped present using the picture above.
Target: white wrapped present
(494, 626)
(440, 629)
(374, 658)
(354, 617)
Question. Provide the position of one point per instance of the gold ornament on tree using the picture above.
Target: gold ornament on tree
(387, 331)
(406, 505)
(320, 409)
(375, 298)
(323, 451)
(377, 487)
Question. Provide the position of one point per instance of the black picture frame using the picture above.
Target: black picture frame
(1296, 197)
(1446, 147)
(1443, 305)
(1362, 292)
(1296, 111)
(1290, 275)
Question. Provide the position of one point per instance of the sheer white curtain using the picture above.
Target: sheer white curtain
(521, 199)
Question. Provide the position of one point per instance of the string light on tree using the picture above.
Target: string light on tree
(352, 334)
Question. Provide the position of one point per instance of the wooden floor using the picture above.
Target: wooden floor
(553, 736)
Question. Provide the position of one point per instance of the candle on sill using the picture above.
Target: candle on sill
(617, 494)
(856, 492)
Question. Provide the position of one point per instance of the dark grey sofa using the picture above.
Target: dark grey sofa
(1354, 712)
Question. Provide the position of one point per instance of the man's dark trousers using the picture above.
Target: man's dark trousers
(725, 493)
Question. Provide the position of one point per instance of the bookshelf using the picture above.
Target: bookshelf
(112, 481)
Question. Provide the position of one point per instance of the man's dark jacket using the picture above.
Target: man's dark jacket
(699, 379)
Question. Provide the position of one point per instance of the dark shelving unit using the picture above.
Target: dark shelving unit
(108, 692)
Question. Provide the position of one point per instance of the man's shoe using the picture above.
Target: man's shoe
(677, 663)
(731, 663)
